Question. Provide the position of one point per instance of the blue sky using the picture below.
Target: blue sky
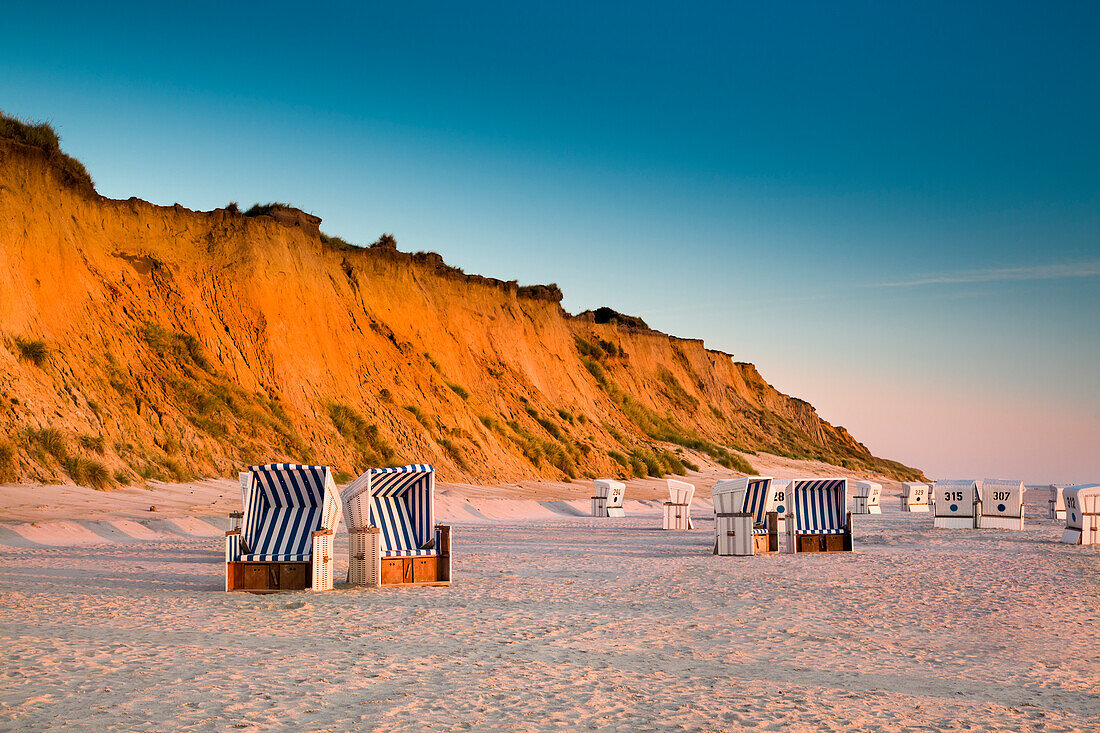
(893, 211)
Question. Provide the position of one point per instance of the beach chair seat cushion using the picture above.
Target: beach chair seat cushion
(281, 557)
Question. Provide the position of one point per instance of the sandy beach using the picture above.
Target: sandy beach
(555, 622)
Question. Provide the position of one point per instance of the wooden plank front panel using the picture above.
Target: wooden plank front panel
(406, 570)
(293, 576)
(391, 570)
(425, 569)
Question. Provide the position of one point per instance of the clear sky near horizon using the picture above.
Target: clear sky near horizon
(894, 211)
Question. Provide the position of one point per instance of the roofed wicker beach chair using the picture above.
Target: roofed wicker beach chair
(284, 541)
(1082, 515)
(608, 501)
(866, 500)
(1057, 502)
(393, 538)
(677, 510)
(745, 517)
(914, 497)
(818, 519)
(957, 504)
(1001, 504)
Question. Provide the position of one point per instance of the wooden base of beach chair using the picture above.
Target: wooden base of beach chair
(268, 577)
(434, 570)
(763, 543)
(426, 570)
(824, 542)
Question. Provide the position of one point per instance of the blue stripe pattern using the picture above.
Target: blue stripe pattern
(756, 500)
(401, 507)
(820, 506)
(285, 504)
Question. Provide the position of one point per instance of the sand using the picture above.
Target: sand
(556, 622)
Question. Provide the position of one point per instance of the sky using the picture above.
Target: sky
(892, 210)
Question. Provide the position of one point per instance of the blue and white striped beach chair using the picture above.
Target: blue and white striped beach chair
(818, 519)
(745, 520)
(394, 539)
(285, 538)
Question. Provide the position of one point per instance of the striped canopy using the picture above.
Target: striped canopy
(284, 504)
(820, 505)
(399, 502)
(757, 497)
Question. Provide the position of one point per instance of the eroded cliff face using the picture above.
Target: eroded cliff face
(162, 342)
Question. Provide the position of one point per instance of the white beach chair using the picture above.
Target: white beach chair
(958, 504)
(393, 537)
(818, 519)
(677, 510)
(745, 521)
(284, 541)
(866, 500)
(779, 503)
(914, 497)
(1001, 504)
(1082, 515)
(608, 501)
(1057, 502)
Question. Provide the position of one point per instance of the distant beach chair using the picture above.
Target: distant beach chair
(866, 500)
(957, 504)
(1001, 504)
(745, 520)
(677, 510)
(1082, 515)
(818, 519)
(284, 541)
(608, 501)
(1057, 502)
(393, 538)
(914, 497)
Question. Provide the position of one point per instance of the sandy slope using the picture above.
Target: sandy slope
(218, 497)
(563, 624)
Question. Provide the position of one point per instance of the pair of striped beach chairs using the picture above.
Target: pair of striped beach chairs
(751, 513)
(283, 540)
(978, 504)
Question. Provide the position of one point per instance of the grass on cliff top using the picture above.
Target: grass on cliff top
(41, 135)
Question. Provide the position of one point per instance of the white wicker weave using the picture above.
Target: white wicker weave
(365, 558)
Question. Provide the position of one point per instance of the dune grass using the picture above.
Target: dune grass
(373, 449)
(42, 136)
(35, 351)
(7, 462)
